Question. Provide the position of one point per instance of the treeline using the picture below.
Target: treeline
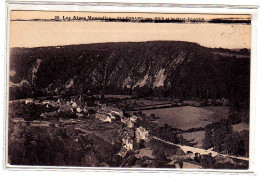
(223, 139)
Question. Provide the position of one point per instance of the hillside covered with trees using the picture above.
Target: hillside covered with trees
(180, 68)
(157, 68)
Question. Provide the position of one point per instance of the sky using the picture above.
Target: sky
(36, 34)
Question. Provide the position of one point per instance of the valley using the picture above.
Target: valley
(157, 104)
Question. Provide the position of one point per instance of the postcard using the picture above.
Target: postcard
(129, 90)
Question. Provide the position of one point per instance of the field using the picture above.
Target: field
(182, 117)
(187, 117)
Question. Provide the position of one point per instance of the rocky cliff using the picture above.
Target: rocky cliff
(175, 68)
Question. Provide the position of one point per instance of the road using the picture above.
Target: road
(199, 150)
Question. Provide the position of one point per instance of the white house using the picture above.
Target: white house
(117, 111)
(74, 104)
(46, 102)
(141, 134)
(103, 117)
(78, 109)
(128, 143)
(29, 100)
(133, 118)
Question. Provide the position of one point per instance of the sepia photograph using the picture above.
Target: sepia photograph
(129, 90)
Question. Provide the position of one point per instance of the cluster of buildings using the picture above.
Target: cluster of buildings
(73, 106)
(222, 101)
(54, 108)
(108, 114)
(129, 133)
(133, 136)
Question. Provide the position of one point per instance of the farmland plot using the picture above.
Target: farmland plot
(187, 117)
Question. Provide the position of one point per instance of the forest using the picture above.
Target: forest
(190, 71)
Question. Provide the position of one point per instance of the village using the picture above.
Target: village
(137, 137)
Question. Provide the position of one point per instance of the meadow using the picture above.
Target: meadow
(186, 117)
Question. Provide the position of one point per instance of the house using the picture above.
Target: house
(129, 123)
(128, 143)
(103, 117)
(45, 102)
(85, 110)
(117, 111)
(141, 134)
(111, 115)
(29, 100)
(78, 109)
(74, 104)
(133, 118)
(224, 101)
